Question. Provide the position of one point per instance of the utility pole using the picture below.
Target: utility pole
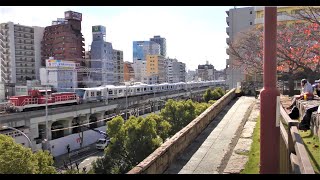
(269, 110)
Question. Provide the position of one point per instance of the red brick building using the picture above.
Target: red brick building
(63, 40)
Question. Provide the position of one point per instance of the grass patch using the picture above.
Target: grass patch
(312, 144)
(253, 164)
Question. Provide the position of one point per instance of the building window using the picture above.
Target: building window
(250, 12)
(250, 23)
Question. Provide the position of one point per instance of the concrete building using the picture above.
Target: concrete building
(140, 70)
(101, 57)
(118, 66)
(175, 71)
(163, 44)
(286, 14)
(20, 55)
(128, 72)
(205, 72)
(143, 48)
(238, 20)
(140, 50)
(190, 76)
(64, 40)
(156, 69)
(182, 72)
(59, 74)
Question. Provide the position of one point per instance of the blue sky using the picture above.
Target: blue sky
(194, 34)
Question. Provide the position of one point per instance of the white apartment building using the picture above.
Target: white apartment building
(173, 70)
(20, 55)
(238, 20)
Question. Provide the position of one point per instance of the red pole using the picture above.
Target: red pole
(270, 128)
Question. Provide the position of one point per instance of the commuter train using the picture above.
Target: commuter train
(36, 98)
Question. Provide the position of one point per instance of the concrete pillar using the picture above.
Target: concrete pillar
(67, 123)
(100, 116)
(270, 125)
(49, 130)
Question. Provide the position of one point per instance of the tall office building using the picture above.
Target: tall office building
(238, 20)
(20, 55)
(101, 57)
(163, 44)
(156, 69)
(118, 66)
(140, 50)
(63, 40)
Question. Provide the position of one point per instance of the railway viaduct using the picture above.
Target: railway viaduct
(66, 125)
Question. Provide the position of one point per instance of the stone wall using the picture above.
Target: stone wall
(161, 158)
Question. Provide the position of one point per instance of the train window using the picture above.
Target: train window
(145, 89)
(99, 93)
(120, 91)
(87, 93)
(110, 92)
(138, 89)
(150, 88)
(92, 94)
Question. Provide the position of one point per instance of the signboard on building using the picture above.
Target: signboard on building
(50, 63)
(98, 30)
(73, 15)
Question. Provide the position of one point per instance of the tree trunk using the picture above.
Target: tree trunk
(291, 85)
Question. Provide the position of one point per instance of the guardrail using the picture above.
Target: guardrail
(158, 161)
(294, 158)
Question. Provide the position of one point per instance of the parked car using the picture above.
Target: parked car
(102, 143)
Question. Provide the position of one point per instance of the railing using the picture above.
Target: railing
(294, 157)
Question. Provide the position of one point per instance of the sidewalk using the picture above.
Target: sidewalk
(209, 153)
(239, 156)
(75, 156)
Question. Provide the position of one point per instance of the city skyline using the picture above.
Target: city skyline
(199, 37)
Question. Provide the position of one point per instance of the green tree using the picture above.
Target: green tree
(178, 114)
(200, 108)
(207, 96)
(131, 142)
(44, 162)
(216, 95)
(163, 126)
(17, 159)
(220, 91)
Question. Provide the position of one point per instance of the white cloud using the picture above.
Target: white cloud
(190, 42)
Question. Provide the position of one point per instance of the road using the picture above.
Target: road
(87, 160)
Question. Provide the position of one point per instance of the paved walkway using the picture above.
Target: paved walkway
(210, 151)
(87, 151)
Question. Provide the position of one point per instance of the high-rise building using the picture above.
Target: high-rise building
(64, 40)
(163, 44)
(19, 53)
(238, 20)
(128, 72)
(140, 50)
(118, 66)
(182, 72)
(101, 57)
(156, 69)
(175, 71)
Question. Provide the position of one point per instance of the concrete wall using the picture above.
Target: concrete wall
(161, 158)
(59, 146)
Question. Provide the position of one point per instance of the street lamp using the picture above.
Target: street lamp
(8, 127)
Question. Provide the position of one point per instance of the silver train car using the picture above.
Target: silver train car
(106, 92)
